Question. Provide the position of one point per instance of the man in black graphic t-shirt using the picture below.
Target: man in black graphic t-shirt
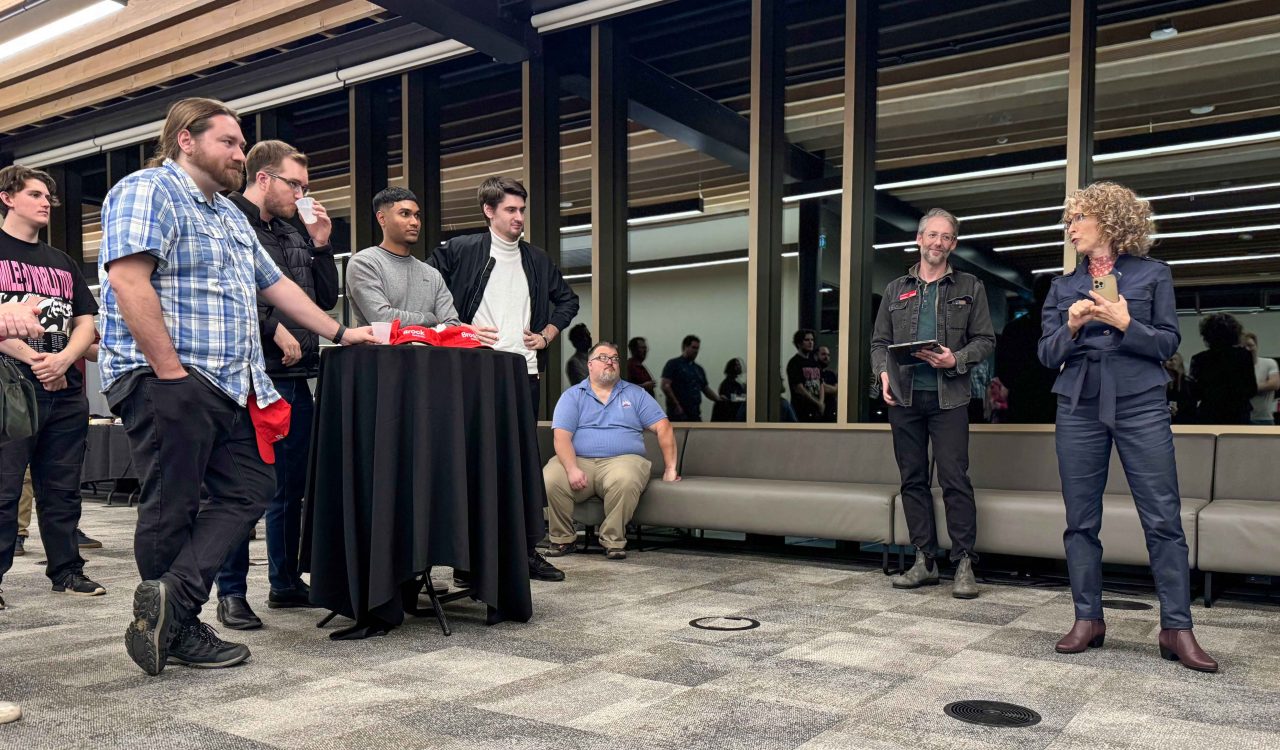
(804, 378)
(34, 273)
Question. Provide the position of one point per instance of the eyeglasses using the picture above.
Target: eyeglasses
(1072, 220)
(294, 185)
(605, 359)
(931, 236)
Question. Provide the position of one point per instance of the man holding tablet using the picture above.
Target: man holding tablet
(933, 323)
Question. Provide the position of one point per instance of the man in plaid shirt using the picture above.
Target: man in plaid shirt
(182, 365)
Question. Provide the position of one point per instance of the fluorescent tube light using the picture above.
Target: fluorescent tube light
(1189, 261)
(995, 172)
(807, 196)
(1032, 246)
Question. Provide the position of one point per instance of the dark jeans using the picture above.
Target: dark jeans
(184, 434)
(284, 512)
(1145, 443)
(56, 455)
(914, 427)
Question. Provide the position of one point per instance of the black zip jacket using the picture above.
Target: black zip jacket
(311, 268)
(465, 263)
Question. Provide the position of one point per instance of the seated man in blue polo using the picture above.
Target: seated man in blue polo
(599, 429)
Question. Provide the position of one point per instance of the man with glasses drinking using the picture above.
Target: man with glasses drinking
(273, 200)
(928, 395)
(599, 429)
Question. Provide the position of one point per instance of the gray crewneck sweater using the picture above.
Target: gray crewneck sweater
(383, 286)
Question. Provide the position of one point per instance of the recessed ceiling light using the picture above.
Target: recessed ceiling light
(566, 204)
(1203, 109)
(1166, 30)
(1002, 140)
(1246, 236)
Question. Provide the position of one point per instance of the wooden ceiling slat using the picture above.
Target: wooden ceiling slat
(175, 52)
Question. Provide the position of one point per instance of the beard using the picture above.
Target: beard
(228, 174)
(281, 209)
(608, 377)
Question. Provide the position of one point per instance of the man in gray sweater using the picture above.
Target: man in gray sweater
(386, 283)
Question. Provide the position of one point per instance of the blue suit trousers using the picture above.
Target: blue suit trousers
(1145, 443)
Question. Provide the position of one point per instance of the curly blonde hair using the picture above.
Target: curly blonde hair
(1123, 218)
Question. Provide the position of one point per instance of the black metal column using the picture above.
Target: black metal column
(764, 243)
(810, 292)
(420, 155)
(66, 220)
(272, 124)
(367, 139)
(121, 163)
(541, 92)
(609, 291)
(857, 210)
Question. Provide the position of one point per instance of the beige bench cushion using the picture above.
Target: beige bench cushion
(1240, 536)
(1031, 524)
(856, 512)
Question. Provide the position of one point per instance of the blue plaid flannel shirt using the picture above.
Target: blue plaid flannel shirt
(209, 265)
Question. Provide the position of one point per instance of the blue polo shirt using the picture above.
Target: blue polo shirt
(613, 428)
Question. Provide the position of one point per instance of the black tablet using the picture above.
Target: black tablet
(902, 353)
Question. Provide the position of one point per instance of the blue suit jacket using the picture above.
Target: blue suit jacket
(1100, 359)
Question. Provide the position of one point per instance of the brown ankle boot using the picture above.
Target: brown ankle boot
(1085, 634)
(1180, 645)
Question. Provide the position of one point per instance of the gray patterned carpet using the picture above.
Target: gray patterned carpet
(840, 661)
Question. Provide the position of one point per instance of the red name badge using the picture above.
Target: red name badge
(907, 295)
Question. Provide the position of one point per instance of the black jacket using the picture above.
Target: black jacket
(466, 264)
(311, 268)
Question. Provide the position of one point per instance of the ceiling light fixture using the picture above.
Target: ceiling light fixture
(651, 214)
(1166, 30)
(60, 27)
(1203, 109)
(1188, 261)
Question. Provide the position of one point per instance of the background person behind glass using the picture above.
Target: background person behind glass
(1223, 373)
(733, 395)
(576, 367)
(1267, 374)
(637, 373)
(1182, 403)
(1112, 389)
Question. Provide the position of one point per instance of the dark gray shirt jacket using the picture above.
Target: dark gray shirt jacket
(964, 326)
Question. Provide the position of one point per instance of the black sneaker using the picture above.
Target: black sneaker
(75, 583)
(462, 578)
(84, 541)
(1, 599)
(147, 637)
(542, 570)
(20, 546)
(198, 645)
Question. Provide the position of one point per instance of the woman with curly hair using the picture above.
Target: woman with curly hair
(1223, 373)
(1112, 389)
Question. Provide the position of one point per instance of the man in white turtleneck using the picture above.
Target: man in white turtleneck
(505, 303)
(500, 281)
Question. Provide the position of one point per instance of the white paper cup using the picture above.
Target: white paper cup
(306, 210)
(382, 332)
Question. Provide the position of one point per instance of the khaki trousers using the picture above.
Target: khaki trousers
(24, 505)
(618, 481)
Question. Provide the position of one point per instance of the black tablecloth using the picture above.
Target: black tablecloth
(106, 455)
(421, 456)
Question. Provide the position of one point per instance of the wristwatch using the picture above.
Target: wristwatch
(337, 337)
(545, 341)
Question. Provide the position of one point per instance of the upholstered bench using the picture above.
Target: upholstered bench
(1019, 498)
